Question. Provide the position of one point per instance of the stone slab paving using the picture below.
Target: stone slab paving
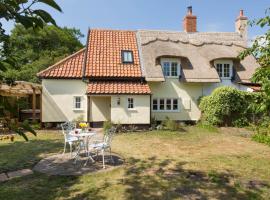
(3, 177)
(19, 173)
(15, 174)
(63, 164)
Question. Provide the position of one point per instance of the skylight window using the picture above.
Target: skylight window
(127, 56)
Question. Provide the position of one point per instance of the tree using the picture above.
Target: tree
(35, 50)
(261, 50)
(25, 12)
(22, 12)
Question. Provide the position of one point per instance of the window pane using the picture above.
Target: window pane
(175, 104)
(77, 102)
(168, 104)
(161, 104)
(219, 70)
(166, 69)
(127, 56)
(226, 70)
(130, 103)
(174, 69)
(155, 104)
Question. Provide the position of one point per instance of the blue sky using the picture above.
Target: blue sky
(213, 15)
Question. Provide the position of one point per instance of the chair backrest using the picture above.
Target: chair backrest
(67, 127)
(109, 136)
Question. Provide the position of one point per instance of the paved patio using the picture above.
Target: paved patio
(63, 165)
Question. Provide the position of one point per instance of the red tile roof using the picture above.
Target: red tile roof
(117, 87)
(70, 67)
(104, 54)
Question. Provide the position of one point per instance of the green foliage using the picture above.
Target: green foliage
(107, 125)
(170, 124)
(207, 127)
(35, 50)
(262, 138)
(261, 50)
(230, 107)
(22, 128)
(27, 13)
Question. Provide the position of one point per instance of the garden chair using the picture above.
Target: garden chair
(67, 128)
(104, 145)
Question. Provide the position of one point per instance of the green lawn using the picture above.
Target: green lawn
(192, 164)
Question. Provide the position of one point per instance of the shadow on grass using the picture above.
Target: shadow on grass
(19, 155)
(154, 179)
(42, 187)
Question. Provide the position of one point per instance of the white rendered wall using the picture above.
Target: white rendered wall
(58, 100)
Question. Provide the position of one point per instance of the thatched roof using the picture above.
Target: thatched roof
(197, 52)
(20, 88)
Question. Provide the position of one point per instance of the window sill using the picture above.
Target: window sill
(172, 77)
(166, 111)
(76, 109)
(132, 109)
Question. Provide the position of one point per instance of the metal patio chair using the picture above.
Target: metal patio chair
(67, 128)
(104, 145)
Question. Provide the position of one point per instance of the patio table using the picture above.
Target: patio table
(83, 138)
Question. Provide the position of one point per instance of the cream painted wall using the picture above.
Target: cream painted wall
(100, 108)
(188, 94)
(139, 115)
(58, 99)
(209, 87)
(185, 92)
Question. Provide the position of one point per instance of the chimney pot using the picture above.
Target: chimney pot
(189, 9)
(241, 14)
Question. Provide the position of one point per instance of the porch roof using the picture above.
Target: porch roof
(118, 87)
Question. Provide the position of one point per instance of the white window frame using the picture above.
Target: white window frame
(165, 104)
(133, 99)
(127, 56)
(74, 102)
(171, 60)
(223, 63)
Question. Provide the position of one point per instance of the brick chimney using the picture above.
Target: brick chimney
(190, 21)
(241, 24)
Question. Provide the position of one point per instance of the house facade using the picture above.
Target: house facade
(129, 77)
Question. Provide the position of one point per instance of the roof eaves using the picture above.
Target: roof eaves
(59, 62)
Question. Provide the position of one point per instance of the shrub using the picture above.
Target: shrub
(107, 125)
(262, 138)
(229, 106)
(170, 124)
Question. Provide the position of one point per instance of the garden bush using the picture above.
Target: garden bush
(107, 125)
(170, 124)
(262, 138)
(227, 106)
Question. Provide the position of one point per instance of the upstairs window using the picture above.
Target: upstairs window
(224, 70)
(171, 68)
(130, 103)
(127, 56)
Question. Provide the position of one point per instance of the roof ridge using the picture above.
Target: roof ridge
(108, 29)
(61, 61)
(175, 31)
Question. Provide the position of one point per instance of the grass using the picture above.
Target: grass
(196, 163)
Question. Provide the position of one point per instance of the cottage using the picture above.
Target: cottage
(128, 77)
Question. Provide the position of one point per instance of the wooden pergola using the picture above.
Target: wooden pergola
(23, 89)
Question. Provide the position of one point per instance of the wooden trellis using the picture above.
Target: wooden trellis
(22, 89)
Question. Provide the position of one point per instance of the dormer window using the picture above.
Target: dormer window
(127, 56)
(171, 67)
(224, 69)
